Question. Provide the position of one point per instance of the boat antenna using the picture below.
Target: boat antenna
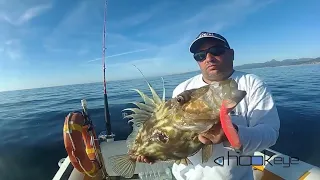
(106, 106)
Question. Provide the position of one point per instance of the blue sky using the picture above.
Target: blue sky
(58, 42)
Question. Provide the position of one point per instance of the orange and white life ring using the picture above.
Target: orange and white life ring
(81, 144)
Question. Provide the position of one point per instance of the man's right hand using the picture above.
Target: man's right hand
(214, 135)
(144, 159)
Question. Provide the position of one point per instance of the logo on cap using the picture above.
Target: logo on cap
(205, 34)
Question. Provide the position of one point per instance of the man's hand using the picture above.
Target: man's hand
(144, 160)
(214, 135)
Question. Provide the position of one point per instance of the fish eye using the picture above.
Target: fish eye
(184, 97)
(180, 99)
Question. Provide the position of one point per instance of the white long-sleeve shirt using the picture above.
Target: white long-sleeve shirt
(258, 128)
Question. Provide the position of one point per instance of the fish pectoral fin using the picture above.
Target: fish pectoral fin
(184, 161)
(207, 152)
(122, 165)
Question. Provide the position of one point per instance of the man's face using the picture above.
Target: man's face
(216, 68)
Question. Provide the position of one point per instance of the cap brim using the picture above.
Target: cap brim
(198, 42)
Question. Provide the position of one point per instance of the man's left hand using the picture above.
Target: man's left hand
(214, 135)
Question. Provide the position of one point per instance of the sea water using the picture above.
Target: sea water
(31, 121)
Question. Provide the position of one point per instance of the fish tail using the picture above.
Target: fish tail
(123, 165)
(228, 128)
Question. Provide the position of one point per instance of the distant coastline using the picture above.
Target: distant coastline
(272, 63)
(275, 63)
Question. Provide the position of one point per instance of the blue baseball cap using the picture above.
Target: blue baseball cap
(204, 36)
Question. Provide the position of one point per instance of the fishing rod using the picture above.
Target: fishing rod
(106, 106)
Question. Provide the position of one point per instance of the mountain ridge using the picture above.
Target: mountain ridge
(275, 63)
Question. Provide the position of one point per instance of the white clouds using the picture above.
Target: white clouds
(133, 20)
(155, 36)
(33, 12)
(128, 52)
(215, 17)
(24, 17)
(224, 14)
(138, 62)
(119, 41)
(9, 42)
(80, 30)
(142, 16)
(13, 54)
(74, 20)
(119, 54)
(14, 18)
(174, 56)
(166, 60)
(10, 50)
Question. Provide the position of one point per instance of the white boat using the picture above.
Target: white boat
(162, 170)
(298, 170)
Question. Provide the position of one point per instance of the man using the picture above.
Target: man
(255, 117)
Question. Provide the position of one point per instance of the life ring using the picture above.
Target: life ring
(79, 146)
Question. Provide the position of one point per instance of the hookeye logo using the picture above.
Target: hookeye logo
(257, 160)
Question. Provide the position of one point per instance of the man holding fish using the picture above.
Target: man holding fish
(218, 113)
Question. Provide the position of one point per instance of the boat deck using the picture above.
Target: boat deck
(162, 170)
(143, 170)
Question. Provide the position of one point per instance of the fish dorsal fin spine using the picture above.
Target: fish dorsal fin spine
(156, 98)
(138, 111)
(148, 101)
(164, 91)
(143, 106)
(143, 113)
(145, 110)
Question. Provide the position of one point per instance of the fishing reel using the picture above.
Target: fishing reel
(88, 121)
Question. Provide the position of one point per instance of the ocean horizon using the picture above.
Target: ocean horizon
(31, 141)
(107, 81)
(149, 77)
